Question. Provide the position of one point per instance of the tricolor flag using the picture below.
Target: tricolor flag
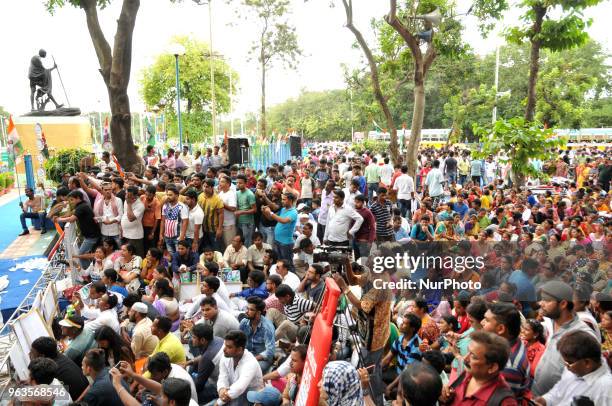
(106, 136)
(14, 142)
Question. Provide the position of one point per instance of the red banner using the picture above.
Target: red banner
(319, 348)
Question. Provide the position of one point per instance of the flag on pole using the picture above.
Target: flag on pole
(119, 168)
(14, 141)
(150, 131)
(376, 126)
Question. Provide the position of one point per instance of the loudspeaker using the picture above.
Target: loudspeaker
(295, 145)
(238, 150)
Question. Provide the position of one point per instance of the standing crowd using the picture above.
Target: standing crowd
(199, 280)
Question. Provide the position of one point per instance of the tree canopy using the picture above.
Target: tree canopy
(158, 83)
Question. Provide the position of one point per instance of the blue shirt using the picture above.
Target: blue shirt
(259, 291)
(525, 291)
(417, 232)
(401, 234)
(261, 341)
(461, 209)
(408, 354)
(283, 233)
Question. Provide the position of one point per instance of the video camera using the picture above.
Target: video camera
(335, 255)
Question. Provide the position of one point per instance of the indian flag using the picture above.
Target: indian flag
(14, 141)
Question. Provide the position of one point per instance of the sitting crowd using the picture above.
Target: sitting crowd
(199, 281)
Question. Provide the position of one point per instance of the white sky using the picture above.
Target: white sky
(26, 26)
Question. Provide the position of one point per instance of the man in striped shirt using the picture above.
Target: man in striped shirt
(174, 221)
(504, 320)
(296, 307)
(382, 210)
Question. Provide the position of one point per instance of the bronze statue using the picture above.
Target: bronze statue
(41, 83)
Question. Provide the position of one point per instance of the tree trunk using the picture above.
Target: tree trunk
(115, 70)
(418, 113)
(378, 95)
(121, 132)
(263, 95)
(534, 62)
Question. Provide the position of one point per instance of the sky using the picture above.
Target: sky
(27, 27)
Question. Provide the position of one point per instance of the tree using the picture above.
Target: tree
(115, 67)
(549, 24)
(519, 141)
(599, 113)
(319, 116)
(402, 41)
(277, 40)
(158, 82)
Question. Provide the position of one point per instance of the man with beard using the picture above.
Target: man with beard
(259, 331)
(143, 342)
(239, 371)
(557, 304)
(313, 284)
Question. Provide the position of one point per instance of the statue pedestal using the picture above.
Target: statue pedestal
(60, 133)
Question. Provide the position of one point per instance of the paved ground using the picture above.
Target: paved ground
(11, 245)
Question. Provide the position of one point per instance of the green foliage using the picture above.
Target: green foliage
(64, 160)
(278, 39)
(159, 82)
(52, 5)
(374, 146)
(576, 77)
(320, 116)
(6, 180)
(599, 113)
(519, 141)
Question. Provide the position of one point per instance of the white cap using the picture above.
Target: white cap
(140, 307)
(300, 206)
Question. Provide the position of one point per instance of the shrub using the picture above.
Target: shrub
(64, 160)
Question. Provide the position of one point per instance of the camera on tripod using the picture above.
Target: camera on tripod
(334, 254)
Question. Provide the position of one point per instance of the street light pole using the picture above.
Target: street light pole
(231, 102)
(212, 71)
(178, 100)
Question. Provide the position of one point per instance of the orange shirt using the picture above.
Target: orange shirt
(152, 211)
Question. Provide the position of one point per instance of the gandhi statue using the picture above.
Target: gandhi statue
(40, 78)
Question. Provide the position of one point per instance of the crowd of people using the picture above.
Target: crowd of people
(532, 323)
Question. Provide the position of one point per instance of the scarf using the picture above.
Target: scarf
(342, 385)
(99, 205)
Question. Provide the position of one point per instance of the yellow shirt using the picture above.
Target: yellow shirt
(485, 201)
(209, 206)
(172, 346)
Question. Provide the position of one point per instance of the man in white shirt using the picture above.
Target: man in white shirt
(107, 315)
(350, 192)
(289, 278)
(339, 221)
(230, 202)
(386, 173)
(196, 218)
(586, 374)
(131, 220)
(435, 181)
(239, 371)
(404, 184)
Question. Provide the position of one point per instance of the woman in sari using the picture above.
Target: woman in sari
(153, 259)
(128, 266)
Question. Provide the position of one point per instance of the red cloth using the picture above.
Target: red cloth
(481, 396)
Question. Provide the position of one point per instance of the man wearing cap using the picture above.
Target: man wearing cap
(556, 303)
(81, 339)
(143, 342)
